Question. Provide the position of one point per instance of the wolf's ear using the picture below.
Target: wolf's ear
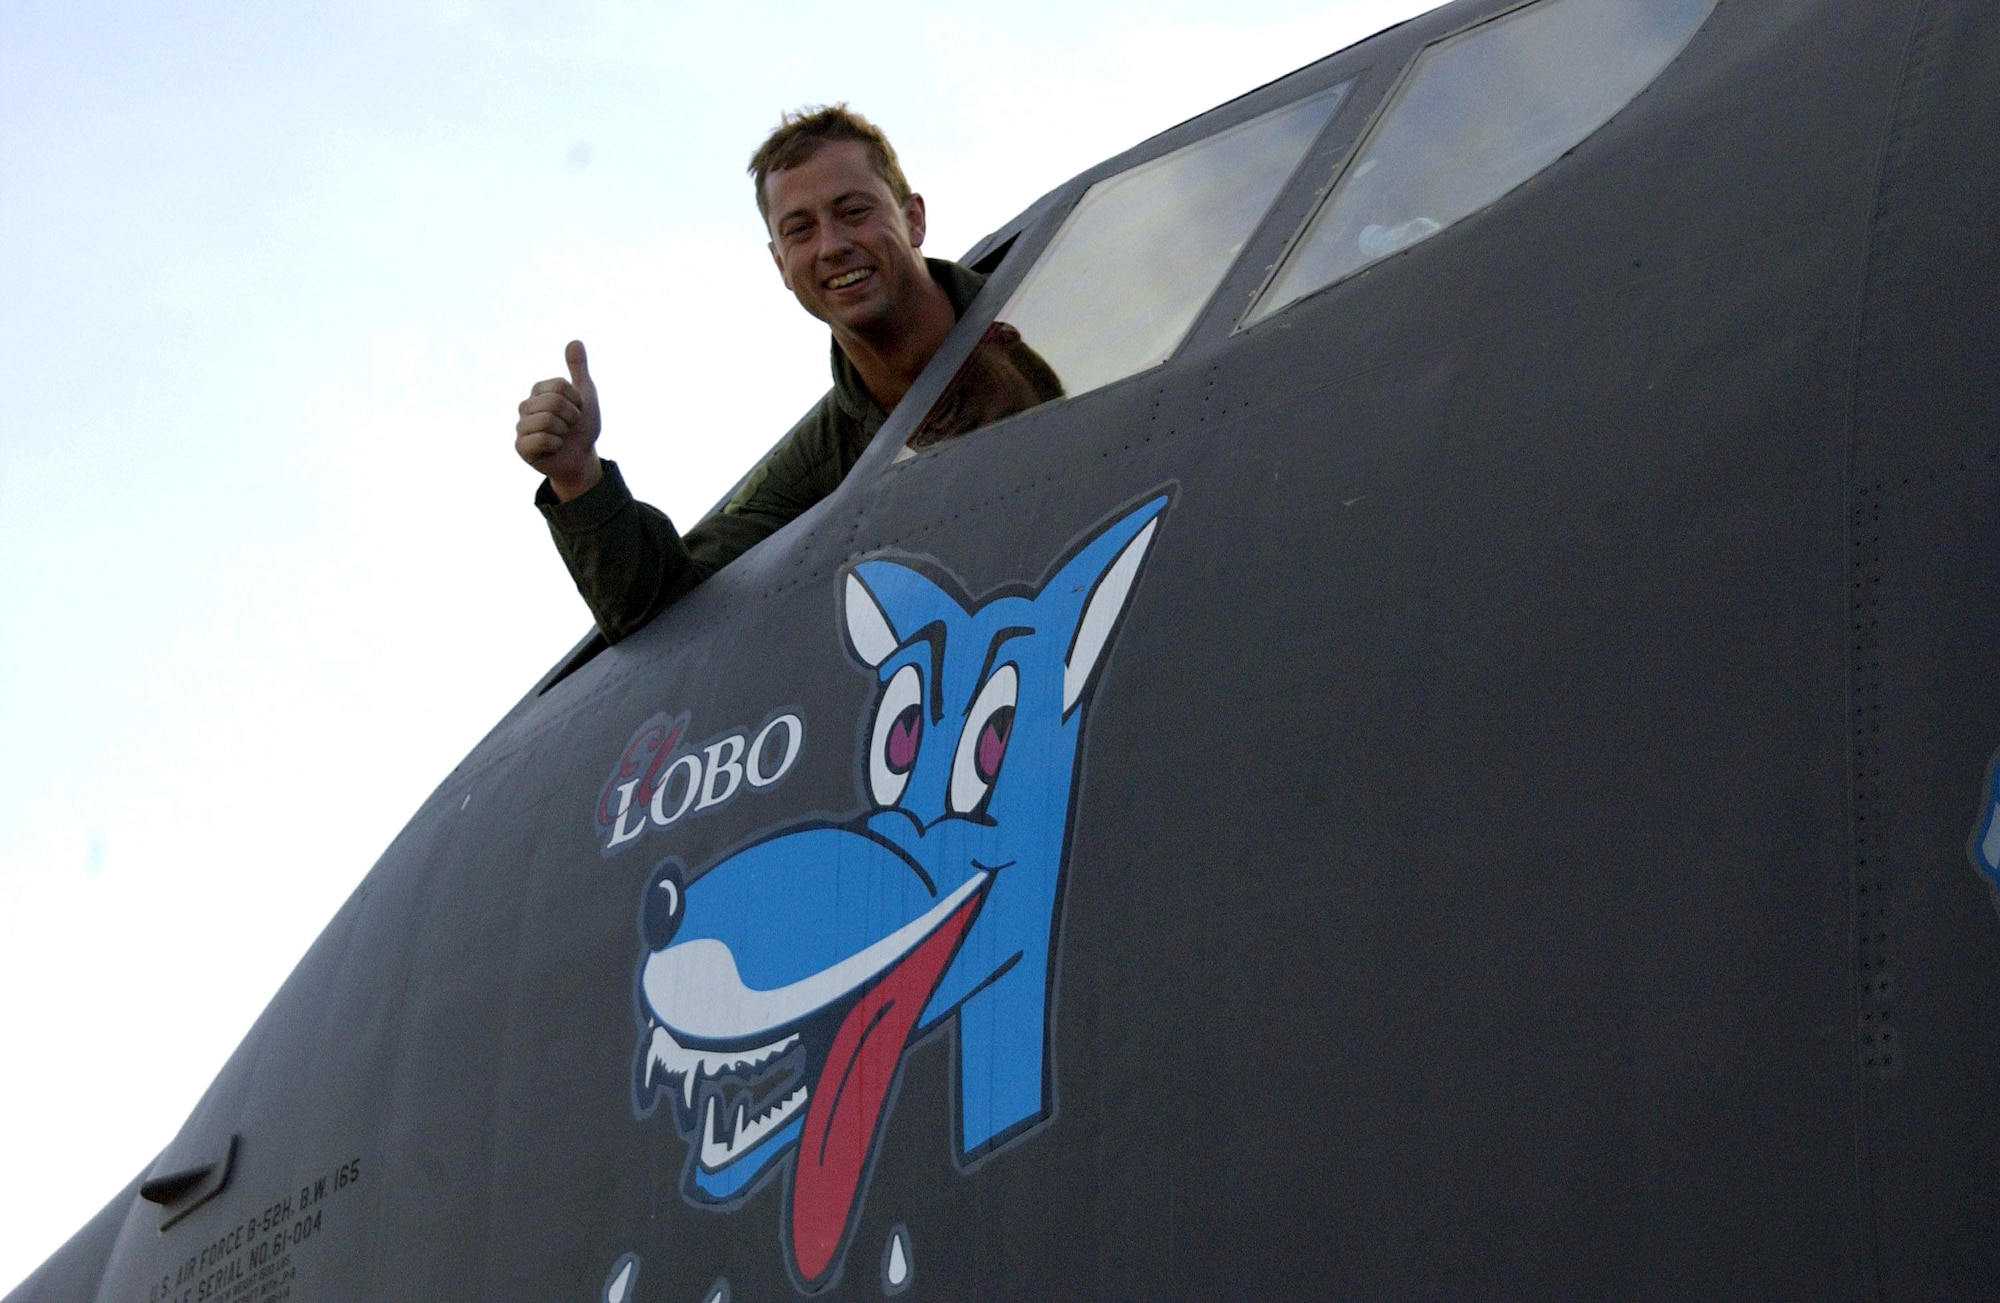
(1102, 609)
(867, 625)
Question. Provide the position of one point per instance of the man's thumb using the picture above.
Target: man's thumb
(579, 365)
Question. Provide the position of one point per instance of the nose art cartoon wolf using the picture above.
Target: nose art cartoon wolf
(781, 988)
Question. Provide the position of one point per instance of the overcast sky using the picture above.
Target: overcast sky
(272, 278)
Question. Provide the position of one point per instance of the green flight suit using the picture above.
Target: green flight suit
(630, 563)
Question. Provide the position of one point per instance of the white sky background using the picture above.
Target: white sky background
(272, 278)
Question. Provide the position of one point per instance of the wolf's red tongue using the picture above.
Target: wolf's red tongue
(847, 1098)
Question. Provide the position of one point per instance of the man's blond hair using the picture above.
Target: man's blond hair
(800, 133)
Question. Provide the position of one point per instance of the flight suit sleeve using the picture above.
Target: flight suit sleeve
(804, 467)
(627, 559)
(630, 563)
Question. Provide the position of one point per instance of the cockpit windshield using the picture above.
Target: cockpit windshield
(1129, 270)
(1480, 113)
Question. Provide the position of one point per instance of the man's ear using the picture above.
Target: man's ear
(913, 214)
(779, 263)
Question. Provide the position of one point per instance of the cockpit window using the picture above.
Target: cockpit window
(1129, 270)
(1480, 113)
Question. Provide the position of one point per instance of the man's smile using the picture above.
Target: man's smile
(848, 278)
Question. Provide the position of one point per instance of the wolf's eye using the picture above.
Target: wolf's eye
(983, 744)
(992, 744)
(903, 734)
(899, 730)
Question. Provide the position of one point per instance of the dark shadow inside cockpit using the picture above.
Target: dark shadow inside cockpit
(1003, 377)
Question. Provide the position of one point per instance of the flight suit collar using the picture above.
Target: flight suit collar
(960, 284)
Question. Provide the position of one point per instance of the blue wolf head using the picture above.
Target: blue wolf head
(781, 988)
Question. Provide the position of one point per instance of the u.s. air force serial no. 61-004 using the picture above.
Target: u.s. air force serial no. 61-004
(1454, 761)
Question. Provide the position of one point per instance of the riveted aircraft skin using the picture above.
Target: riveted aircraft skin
(1526, 831)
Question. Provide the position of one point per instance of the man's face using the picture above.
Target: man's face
(845, 248)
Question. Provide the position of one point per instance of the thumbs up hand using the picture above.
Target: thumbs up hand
(557, 432)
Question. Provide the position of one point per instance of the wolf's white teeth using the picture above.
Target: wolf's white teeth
(742, 1116)
(693, 1066)
(750, 1136)
(717, 1153)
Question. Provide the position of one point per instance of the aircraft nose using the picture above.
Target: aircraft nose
(663, 906)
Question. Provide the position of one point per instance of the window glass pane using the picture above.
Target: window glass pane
(1482, 112)
(1129, 270)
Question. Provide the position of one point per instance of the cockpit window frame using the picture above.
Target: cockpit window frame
(1326, 161)
(1027, 238)
(1378, 71)
(1248, 318)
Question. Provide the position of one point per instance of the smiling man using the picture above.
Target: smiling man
(846, 235)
